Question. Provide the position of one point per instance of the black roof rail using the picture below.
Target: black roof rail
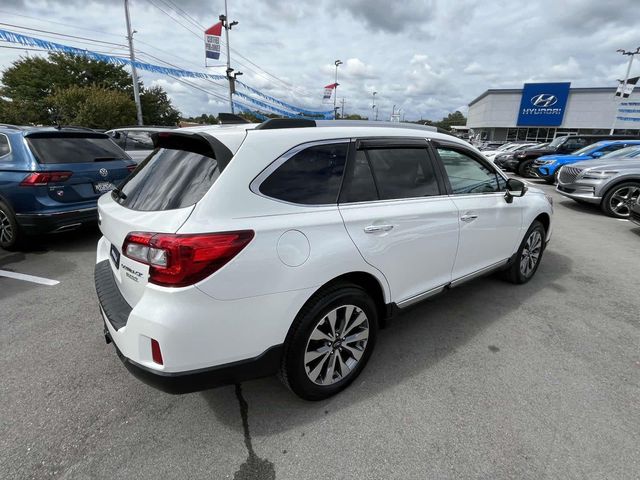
(275, 123)
(144, 126)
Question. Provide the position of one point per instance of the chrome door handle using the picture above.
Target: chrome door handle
(468, 218)
(377, 228)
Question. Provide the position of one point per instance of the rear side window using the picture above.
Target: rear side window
(73, 149)
(403, 173)
(169, 179)
(359, 183)
(4, 145)
(310, 177)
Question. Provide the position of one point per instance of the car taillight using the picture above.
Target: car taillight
(178, 260)
(131, 168)
(37, 179)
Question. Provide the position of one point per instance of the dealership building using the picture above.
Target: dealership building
(542, 111)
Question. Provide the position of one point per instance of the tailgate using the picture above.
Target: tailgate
(116, 222)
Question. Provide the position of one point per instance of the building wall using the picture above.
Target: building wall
(495, 115)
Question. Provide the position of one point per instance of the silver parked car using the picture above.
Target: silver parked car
(613, 181)
(136, 141)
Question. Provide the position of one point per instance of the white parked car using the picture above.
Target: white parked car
(239, 253)
(506, 148)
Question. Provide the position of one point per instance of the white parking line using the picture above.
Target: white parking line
(28, 278)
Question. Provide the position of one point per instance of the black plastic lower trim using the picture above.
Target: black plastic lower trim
(113, 304)
(263, 365)
(39, 223)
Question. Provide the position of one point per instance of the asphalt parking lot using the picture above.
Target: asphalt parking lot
(488, 381)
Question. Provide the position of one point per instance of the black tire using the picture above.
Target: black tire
(9, 230)
(632, 189)
(293, 371)
(523, 168)
(553, 180)
(515, 273)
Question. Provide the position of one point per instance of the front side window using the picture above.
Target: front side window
(467, 175)
(402, 173)
(310, 177)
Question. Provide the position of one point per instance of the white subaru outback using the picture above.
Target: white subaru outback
(284, 248)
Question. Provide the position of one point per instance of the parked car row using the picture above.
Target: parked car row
(605, 171)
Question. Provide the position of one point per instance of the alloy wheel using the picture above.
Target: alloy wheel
(531, 253)
(623, 199)
(336, 345)
(6, 231)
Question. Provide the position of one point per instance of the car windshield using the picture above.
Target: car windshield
(558, 141)
(628, 152)
(588, 149)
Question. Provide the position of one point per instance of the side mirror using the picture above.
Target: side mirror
(515, 188)
(116, 135)
(597, 154)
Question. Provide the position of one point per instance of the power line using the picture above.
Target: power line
(63, 35)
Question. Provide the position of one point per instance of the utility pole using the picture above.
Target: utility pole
(132, 56)
(335, 89)
(624, 85)
(373, 107)
(231, 78)
(342, 103)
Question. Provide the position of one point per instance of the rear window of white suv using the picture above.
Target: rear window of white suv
(167, 180)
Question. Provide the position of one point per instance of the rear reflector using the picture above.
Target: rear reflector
(37, 179)
(131, 168)
(156, 354)
(179, 260)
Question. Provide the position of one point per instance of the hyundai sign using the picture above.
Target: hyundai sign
(543, 104)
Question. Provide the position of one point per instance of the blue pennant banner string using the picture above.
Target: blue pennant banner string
(630, 104)
(26, 40)
(629, 110)
(302, 111)
(279, 111)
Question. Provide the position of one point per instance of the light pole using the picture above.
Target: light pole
(231, 78)
(624, 85)
(132, 56)
(373, 107)
(335, 89)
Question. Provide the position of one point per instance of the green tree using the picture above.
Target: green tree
(92, 106)
(29, 84)
(455, 118)
(157, 108)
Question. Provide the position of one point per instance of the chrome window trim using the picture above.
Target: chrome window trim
(254, 186)
(8, 143)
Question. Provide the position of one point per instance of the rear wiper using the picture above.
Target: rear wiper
(105, 159)
(120, 195)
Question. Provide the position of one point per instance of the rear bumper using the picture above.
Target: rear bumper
(35, 223)
(263, 365)
(204, 342)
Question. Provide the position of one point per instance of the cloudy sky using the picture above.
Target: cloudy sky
(427, 57)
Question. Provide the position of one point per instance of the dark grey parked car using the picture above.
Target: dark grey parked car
(611, 182)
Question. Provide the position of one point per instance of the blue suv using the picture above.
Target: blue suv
(548, 166)
(51, 178)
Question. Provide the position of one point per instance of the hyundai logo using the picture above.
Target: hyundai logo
(544, 100)
(104, 172)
